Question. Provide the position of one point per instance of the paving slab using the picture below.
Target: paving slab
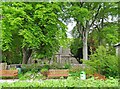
(16, 80)
(8, 80)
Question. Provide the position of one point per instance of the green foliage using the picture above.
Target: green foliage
(110, 34)
(40, 27)
(67, 83)
(32, 25)
(89, 70)
(60, 66)
(56, 66)
(47, 66)
(67, 66)
(43, 70)
(107, 35)
(12, 57)
(97, 19)
(30, 75)
(75, 71)
(13, 68)
(75, 45)
(103, 62)
(35, 68)
(79, 14)
(32, 68)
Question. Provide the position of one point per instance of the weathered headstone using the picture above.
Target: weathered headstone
(3, 66)
(117, 46)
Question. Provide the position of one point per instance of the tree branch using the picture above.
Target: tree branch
(96, 14)
(81, 4)
(79, 28)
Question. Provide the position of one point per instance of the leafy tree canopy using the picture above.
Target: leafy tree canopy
(33, 26)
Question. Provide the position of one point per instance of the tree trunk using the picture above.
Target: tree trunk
(85, 48)
(26, 55)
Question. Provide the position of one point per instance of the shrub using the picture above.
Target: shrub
(67, 66)
(32, 67)
(60, 66)
(102, 62)
(46, 66)
(30, 75)
(56, 66)
(44, 70)
(75, 71)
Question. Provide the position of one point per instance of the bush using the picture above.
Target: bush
(43, 70)
(46, 66)
(67, 66)
(75, 71)
(56, 66)
(60, 66)
(32, 67)
(104, 63)
(30, 75)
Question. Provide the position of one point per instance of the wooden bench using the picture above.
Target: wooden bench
(9, 73)
(57, 73)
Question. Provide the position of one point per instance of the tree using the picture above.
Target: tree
(80, 13)
(106, 20)
(36, 24)
(98, 14)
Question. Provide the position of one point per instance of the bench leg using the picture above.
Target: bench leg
(65, 77)
(13, 77)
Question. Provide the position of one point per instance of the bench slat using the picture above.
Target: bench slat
(8, 73)
(57, 73)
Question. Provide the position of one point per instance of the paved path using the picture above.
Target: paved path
(15, 80)
(8, 80)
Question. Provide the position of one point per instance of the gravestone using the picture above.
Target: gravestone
(64, 56)
(3, 66)
(117, 46)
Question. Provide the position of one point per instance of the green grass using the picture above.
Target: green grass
(69, 82)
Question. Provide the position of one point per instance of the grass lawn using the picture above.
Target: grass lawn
(69, 82)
